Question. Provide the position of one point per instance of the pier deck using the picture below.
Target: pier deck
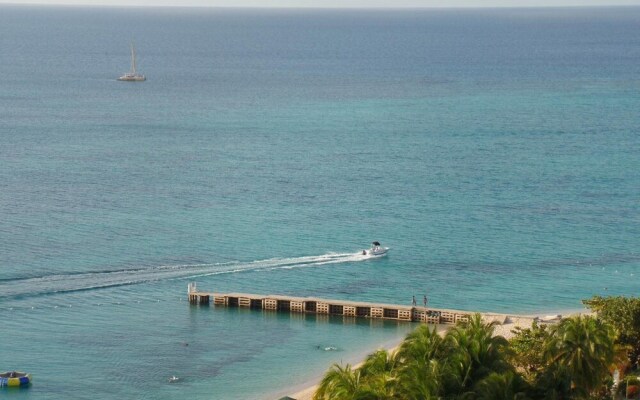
(329, 307)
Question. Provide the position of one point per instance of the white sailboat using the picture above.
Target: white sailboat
(132, 76)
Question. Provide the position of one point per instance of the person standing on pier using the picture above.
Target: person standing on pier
(413, 301)
(424, 300)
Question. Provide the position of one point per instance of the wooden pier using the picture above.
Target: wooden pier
(328, 307)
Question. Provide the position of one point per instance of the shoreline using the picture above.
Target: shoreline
(506, 323)
(306, 391)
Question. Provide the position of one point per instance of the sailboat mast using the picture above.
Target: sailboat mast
(132, 76)
(133, 59)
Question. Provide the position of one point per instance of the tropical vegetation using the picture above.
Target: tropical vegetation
(623, 314)
(571, 359)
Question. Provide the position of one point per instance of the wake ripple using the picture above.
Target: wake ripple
(95, 280)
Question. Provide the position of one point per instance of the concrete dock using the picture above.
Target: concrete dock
(313, 305)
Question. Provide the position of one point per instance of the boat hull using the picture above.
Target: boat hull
(137, 78)
(378, 252)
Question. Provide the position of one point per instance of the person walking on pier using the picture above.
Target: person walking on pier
(413, 301)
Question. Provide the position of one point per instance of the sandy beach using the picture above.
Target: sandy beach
(505, 325)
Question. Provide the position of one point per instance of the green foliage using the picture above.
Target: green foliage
(475, 353)
(583, 347)
(552, 383)
(623, 313)
(505, 386)
(630, 387)
(528, 349)
(421, 381)
(422, 345)
(379, 372)
(467, 359)
(421, 371)
(343, 383)
(569, 360)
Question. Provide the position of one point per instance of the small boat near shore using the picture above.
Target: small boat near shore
(14, 379)
(376, 250)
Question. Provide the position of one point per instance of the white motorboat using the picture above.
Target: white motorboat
(132, 76)
(376, 250)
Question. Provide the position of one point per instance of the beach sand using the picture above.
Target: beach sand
(505, 325)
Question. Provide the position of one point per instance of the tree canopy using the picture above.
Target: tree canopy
(572, 359)
(623, 314)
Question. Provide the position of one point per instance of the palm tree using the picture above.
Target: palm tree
(505, 386)
(422, 366)
(421, 345)
(421, 381)
(379, 362)
(476, 353)
(340, 383)
(583, 346)
(552, 383)
(379, 371)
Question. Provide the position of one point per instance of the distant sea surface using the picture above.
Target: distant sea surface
(495, 151)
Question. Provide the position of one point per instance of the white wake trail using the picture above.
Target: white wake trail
(95, 280)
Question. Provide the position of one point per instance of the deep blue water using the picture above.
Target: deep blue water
(495, 151)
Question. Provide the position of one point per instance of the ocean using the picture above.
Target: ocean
(495, 151)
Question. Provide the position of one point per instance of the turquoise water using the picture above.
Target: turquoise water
(495, 151)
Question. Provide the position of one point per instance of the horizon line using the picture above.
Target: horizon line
(315, 7)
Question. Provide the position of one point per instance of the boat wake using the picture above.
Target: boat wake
(95, 280)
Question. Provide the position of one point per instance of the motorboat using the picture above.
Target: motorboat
(14, 378)
(132, 76)
(376, 250)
